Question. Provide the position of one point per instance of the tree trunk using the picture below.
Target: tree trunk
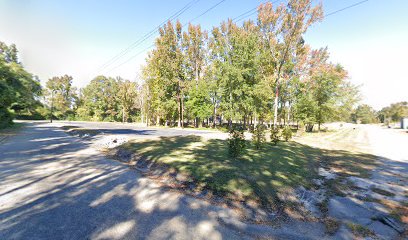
(179, 111)
(309, 127)
(275, 112)
(289, 107)
(182, 112)
(123, 115)
(157, 120)
(215, 116)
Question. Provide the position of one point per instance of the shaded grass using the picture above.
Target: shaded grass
(256, 175)
(348, 163)
(360, 230)
(332, 225)
(398, 210)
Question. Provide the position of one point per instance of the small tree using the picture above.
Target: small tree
(258, 136)
(236, 141)
(287, 133)
(275, 135)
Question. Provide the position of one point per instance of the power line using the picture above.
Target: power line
(202, 14)
(340, 10)
(241, 17)
(251, 11)
(148, 35)
(206, 11)
(131, 58)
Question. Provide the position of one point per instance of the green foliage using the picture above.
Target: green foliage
(287, 133)
(236, 142)
(60, 96)
(19, 90)
(199, 102)
(258, 136)
(6, 118)
(323, 97)
(394, 112)
(364, 114)
(236, 73)
(275, 135)
(248, 71)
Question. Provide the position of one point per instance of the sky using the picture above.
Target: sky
(78, 37)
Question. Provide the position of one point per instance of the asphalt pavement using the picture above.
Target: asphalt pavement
(56, 186)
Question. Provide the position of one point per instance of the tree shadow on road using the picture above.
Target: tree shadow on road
(57, 186)
(79, 194)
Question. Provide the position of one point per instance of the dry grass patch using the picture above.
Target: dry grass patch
(360, 230)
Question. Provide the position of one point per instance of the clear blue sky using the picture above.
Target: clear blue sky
(76, 37)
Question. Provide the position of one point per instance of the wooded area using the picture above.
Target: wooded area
(256, 72)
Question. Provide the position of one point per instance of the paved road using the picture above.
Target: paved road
(55, 186)
(137, 130)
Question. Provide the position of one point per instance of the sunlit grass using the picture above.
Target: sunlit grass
(256, 174)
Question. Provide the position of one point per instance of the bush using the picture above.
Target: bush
(287, 133)
(6, 117)
(258, 136)
(236, 142)
(275, 135)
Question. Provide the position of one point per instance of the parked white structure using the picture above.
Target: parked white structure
(404, 123)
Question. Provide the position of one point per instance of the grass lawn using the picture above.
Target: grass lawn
(259, 175)
(256, 175)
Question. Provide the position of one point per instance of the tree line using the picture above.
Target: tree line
(257, 72)
(19, 89)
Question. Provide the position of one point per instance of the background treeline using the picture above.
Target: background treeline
(260, 72)
(257, 72)
(19, 89)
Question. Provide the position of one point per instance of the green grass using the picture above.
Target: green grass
(332, 225)
(257, 174)
(360, 230)
(348, 163)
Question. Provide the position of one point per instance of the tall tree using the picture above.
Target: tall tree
(393, 112)
(282, 30)
(19, 90)
(195, 54)
(60, 95)
(364, 114)
(127, 97)
(100, 100)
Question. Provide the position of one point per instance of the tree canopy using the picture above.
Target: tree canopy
(19, 89)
